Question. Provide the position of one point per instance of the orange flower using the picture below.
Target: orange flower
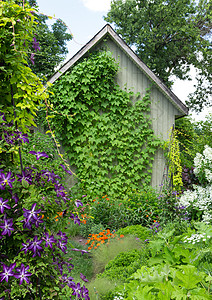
(98, 244)
(95, 247)
(89, 248)
(107, 199)
(121, 236)
(147, 216)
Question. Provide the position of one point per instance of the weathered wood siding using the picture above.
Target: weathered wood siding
(163, 112)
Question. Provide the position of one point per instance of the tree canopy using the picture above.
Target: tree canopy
(169, 36)
(52, 44)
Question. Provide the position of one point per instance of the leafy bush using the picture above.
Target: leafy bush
(176, 267)
(198, 203)
(124, 265)
(106, 252)
(141, 206)
(33, 200)
(138, 231)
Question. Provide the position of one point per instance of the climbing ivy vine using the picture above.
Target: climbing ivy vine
(109, 140)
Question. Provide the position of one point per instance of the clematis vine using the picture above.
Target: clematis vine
(23, 274)
(7, 272)
(6, 179)
(3, 205)
(39, 154)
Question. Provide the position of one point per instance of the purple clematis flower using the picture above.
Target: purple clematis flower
(38, 221)
(49, 240)
(32, 58)
(24, 176)
(76, 289)
(67, 280)
(66, 170)
(62, 235)
(83, 277)
(84, 293)
(6, 180)
(35, 44)
(23, 274)
(7, 272)
(75, 218)
(39, 154)
(25, 246)
(7, 226)
(22, 137)
(35, 246)
(3, 205)
(14, 197)
(62, 245)
(51, 176)
(78, 203)
(78, 250)
(31, 214)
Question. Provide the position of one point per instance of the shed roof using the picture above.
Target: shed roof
(107, 30)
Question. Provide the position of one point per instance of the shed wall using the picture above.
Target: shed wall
(163, 112)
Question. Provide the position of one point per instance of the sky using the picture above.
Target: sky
(84, 18)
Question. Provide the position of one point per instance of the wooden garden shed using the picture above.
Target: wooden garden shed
(135, 75)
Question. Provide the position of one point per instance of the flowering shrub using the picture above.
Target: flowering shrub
(106, 211)
(199, 201)
(95, 240)
(141, 207)
(32, 242)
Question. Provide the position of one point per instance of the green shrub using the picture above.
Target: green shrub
(101, 288)
(106, 252)
(90, 228)
(141, 207)
(124, 265)
(138, 231)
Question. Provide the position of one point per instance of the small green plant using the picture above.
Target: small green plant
(138, 231)
(124, 265)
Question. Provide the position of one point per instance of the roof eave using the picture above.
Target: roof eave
(108, 30)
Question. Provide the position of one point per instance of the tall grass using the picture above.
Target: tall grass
(107, 252)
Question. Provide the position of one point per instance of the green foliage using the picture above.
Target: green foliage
(52, 44)
(106, 252)
(174, 161)
(169, 36)
(138, 231)
(101, 288)
(141, 206)
(90, 228)
(108, 139)
(192, 137)
(42, 142)
(32, 242)
(18, 83)
(82, 263)
(124, 265)
(177, 267)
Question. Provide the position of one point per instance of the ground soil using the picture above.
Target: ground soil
(79, 239)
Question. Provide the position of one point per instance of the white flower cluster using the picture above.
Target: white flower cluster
(204, 162)
(201, 197)
(119, 297)
(196, 238)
